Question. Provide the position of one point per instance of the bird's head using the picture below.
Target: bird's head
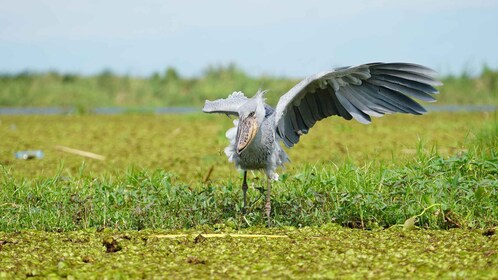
(251, 115)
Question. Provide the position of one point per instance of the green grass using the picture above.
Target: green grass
(463, 188)
(378, 185)
(170, 89)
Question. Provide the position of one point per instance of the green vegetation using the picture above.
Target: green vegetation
(170, 89)
(189, 145)
(463, 189)
(325, 252)
(109, 90)
(156, 174)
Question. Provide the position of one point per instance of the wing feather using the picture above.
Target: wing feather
(362, 103)
(348, 105)
(306, 115)
(301, 126)
(359, 92)
(400, 101)
(408, 75)
(310, 100)
(320, 108)
(409, 67)
(340, 108)
(408, 83)
(385, 103)
(404, 90)
(327, 104)
(379, 105)
(290, 138)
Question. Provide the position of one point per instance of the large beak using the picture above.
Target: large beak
(246, 131)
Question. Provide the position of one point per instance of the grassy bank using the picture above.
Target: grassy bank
(170, 89)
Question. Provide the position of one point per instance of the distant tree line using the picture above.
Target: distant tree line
(169, 88)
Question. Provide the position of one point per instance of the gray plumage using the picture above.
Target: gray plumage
(360, 92)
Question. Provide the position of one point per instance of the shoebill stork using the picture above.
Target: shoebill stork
(359, 92)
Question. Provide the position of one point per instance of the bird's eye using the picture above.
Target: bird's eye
(251, 114)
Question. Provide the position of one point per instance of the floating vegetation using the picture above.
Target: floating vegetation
(328, 251)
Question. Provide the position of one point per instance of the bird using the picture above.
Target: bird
(352, 92)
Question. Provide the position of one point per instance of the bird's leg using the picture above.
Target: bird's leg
(244, 192)
(268, 202)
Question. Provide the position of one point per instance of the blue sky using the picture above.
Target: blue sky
(284, 38)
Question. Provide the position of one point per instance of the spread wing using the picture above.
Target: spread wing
(228, 106)
(356, 92)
